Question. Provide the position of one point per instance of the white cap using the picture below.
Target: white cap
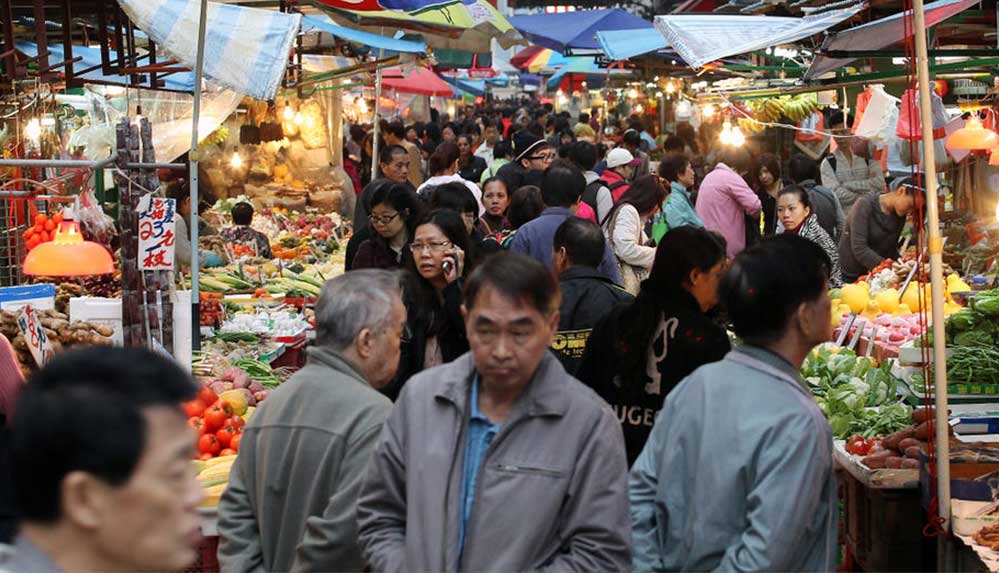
(618, 156)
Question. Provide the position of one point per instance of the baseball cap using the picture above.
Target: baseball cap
(525, 143)
(618, 156)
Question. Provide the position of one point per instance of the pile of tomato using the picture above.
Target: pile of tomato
(42, 230)
(219, 429)
(860, 446)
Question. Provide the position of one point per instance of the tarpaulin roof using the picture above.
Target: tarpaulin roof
(420, 81)
(701, 39)
(581, 66)
(624, 44)
(880, 34)
(324, 23)
(369, 5)
(535, 58)
(178, 81)
(246, 49)
(575, 30)
(473, 87)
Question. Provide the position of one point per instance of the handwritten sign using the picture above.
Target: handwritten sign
(34, 335)
(157, 228)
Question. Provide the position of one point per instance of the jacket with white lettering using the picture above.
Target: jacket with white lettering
(587, 296)
(684, 340)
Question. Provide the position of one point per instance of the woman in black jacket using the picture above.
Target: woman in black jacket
(641, 351)
(435, 330)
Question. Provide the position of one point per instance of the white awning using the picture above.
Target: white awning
(704, 38)
(880, 34)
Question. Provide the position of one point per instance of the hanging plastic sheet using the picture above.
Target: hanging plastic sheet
(877, 115)
(909, 128)
(246, 49)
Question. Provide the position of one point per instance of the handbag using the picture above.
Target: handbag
(631, 275)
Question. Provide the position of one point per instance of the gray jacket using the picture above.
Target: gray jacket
(551, 492)
(292, 494)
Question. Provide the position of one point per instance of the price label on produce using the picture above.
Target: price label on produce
(34, 334)
(157, 228)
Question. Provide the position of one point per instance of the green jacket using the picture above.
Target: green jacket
(290, 503)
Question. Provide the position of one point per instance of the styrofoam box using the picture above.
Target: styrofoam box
(108, 311)
(40, 297)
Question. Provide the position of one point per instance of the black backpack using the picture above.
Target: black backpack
(590, 193)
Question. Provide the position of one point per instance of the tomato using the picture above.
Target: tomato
(237, 422)
(215, 417)
(57, 218)
(234, 443)
(205, 457)
(209, 444)
(225, 407)
(207, 396)
(857, 445)
(224, 435)
(197, 424)
(41, 218)
(49, 226)
(227, 452)
(194, 409)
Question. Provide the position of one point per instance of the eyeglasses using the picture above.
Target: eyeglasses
(383, 220)
(432, 247)
(543, 157)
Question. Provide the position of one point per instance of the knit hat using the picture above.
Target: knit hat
(618, 156)
(525, 143)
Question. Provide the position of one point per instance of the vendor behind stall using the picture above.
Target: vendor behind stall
(179, 192)
(873, 229)
(242, 233)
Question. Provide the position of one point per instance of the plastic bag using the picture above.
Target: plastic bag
(95, 225)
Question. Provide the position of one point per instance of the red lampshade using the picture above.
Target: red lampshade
(68, 255)
(972, 137)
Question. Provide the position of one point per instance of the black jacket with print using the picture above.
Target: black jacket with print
(685, 340)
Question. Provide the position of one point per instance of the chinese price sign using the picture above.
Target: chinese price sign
(156, 233)
(34, 335)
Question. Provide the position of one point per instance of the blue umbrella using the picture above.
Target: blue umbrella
(575, 30)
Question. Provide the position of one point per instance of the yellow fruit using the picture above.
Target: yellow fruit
(887, 300)
(855, 296)
(873, 310)
(866, 286)
(216, 472)
(911, 296)
(249, 413)
(902, 310)
(236, 399)
(219, 460)
(843, 309)
(213, 494)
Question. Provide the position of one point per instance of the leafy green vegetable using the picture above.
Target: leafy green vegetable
(974, 338)
(986, 303)
(962, 321)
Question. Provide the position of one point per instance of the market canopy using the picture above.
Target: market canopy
(702, 39)
(624, 44)
(455, 26)
(418, 81)
(567, 32)
(879, 34)
(535, 58)
(246, 49)
(375, 5)
(323, 23)
(580, 66)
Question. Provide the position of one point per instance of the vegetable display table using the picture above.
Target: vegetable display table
(883, 518)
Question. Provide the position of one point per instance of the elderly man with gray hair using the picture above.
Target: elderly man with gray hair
(290, 503)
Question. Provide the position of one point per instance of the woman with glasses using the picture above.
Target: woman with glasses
(435, 330)
(624, 229)
(640, 351)
(394, 212)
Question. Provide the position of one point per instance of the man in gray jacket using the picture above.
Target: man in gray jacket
(499, 461)
(290, 504)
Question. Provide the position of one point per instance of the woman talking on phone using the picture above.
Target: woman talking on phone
(435, 330)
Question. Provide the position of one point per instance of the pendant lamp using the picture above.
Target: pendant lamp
(994, 157)
(68, 255)
(972, 137)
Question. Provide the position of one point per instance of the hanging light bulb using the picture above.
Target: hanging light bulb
(288, 112)
(670, 88)
(362, 106)
(298, 118)
(737, 139)
(708, 110)
(236, 162)
(725, 137)
(632, 93)
(659, 95)
(33, 130)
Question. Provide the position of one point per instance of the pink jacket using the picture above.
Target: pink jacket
(723, 201)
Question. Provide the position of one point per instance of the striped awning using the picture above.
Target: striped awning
(880, 34)
(703, 38)
(246, 49)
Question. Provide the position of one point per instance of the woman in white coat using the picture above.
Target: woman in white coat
(624, 229)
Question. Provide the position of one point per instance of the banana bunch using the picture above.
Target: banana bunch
(801, 107)
(767, 110)
(750, 125)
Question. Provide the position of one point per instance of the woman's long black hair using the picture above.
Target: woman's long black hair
(681, 250)
(419, 295)
(645, 194)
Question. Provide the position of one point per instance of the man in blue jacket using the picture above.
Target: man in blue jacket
(737, 474)
(561, 188)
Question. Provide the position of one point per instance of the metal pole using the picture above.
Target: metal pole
(374, 128)
(936, 271)
(193, 155)
(60, 163)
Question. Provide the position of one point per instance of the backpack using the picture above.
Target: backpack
(590, 193)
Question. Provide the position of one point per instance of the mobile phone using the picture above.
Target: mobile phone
(447, 266)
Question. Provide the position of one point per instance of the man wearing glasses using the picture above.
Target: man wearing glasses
(532, 155)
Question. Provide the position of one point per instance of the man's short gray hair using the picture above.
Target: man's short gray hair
(352, 302)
